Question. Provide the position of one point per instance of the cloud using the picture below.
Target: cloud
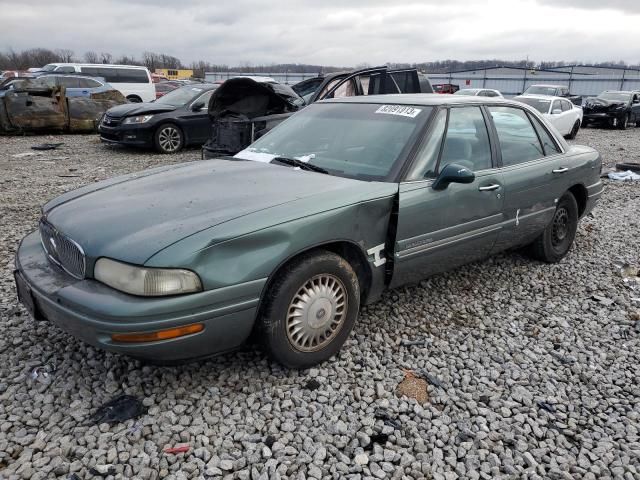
(331, 32)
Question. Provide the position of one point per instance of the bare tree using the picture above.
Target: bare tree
(91, 57)
(65, 55)
(106, 57)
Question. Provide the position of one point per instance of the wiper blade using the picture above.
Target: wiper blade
(294, 162)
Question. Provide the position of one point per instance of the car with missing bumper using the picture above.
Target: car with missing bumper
(618, 109)
(289, 238)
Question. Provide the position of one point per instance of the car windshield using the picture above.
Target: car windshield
(538, 90)
(614, 96)
(354, 140)
(538, 103)
(467, 91)
(180, 96)
(48, 68)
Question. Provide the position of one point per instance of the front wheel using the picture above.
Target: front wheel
(574, 130)
(558, 236)
(168, 138)
(623, 123)
(310, 309)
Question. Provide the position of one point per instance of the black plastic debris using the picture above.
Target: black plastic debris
(73, 476)
(312, 384)
(103, 470)
(382, 414)
(430, 378)
(120, 409)
(546, 406)
(47, 146)
(413, 343)
(379, 438)
(269, 441)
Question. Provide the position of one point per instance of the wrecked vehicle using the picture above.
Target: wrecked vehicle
(237, 121)
(33, 105)
(176, 119)
(289, 238)
(617, 109)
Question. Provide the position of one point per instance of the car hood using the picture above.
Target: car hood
(129, 109)
(592, 102)
(133, 217)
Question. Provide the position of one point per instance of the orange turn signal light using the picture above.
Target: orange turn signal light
(159, 335)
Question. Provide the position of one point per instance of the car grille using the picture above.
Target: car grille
(111, 121)
(62, 250)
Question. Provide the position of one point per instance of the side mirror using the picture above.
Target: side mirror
(556, 111)
(636, 100)
(453, 173)
(196, 107)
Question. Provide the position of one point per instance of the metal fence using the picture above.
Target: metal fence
(511, 85)
(289, 78)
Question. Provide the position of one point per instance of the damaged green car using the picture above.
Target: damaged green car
(289, 238)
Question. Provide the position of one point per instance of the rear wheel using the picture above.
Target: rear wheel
(168, 138)
(557, 238)
(310, 309)
(574, 130)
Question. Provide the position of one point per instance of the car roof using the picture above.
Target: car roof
(547, 85)
(542, 97)
(621, 91)
(426, 99)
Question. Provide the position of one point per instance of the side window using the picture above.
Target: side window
(467, 140)
(550, 146)
(89, 70)
(69, 82)
(427, 157)
(566, 106)
(88, 83)
(556, 106)
(65, 69)
(347, 89)
(519, 142)
(205, 97)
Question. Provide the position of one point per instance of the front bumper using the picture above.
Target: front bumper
(91, 311)
(133, 135)
(601, 117)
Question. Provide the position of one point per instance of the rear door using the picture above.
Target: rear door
(533, 167)
(440, 229)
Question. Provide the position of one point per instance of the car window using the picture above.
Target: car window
(66, 70)
(566, 105)
(204, 98)
(69, 82)
(426, 160)
(347, 89)
(89, 83)
(519, 142)
(467, 140)
(556, 106)
(550, 146)
(329, 86)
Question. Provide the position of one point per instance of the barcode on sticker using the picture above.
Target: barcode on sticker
(401, 110)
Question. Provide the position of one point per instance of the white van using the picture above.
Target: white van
(132, 81)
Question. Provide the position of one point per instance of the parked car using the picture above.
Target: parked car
(173, 121)
(446, 88)
(238, 122)
(553, 91)
(162, 88)
(349, 197)
(560, 112)
(479, 92)
(75, 85)
(134, 82)
(613, 108)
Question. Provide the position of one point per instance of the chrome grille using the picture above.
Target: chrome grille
(63, 251)
(111, 121)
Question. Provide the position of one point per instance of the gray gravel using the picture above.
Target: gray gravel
(538, 379)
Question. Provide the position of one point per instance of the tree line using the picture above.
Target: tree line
(38, 57)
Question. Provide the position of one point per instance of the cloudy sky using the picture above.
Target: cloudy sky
(330, 32)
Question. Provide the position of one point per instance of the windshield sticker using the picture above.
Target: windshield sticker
(248, 154)
(401, 110)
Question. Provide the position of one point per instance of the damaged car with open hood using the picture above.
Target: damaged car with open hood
(285, 241)
(617, 109)
(243, 110)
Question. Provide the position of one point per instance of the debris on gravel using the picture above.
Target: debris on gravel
(540, 381)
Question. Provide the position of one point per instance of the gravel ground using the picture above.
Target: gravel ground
(530, 376)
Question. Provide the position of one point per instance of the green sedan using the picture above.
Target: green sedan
(289, 238)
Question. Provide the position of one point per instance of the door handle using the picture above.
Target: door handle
(488, 188)
(561, 170)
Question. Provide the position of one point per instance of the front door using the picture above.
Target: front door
(441, 229)
(197, 121)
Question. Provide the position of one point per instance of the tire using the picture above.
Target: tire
(574, 130)
(623, 123)
(285, 329)
(134, 99)
(557, 238)
(168, 138)
(634, 167)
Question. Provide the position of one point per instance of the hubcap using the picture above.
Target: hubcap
(169, 139)
(560, 226)
(316, 313)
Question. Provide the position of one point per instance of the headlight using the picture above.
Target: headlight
(143, 281)
(139, 119)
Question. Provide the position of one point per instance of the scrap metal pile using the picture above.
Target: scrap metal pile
(32, 106)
